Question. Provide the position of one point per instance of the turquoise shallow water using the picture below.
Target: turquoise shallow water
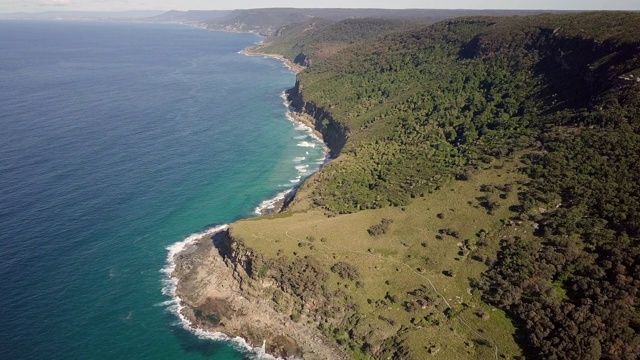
(116, 141)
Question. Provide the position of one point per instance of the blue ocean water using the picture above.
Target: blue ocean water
(116, 141)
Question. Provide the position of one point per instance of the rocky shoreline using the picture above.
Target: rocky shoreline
(254, 51)
(216, 295)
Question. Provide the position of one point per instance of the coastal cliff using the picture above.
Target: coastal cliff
(222, 288)
(334, 133)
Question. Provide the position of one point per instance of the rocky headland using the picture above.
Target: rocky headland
(216, 293)
(255, 51)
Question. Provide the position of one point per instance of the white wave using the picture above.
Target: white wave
(189, 240)
(299, 158)
(293, 120)
(296, 180)
(165, 303)
(301, 137)
(300, 126)
(306, 144)
(271, 203)
(324, 160)
(286, 103)
(302, 168)
(174, 305)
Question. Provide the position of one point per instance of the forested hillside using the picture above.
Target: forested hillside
(321, 38)
(465, 89)
(423, 107)
(267, 21)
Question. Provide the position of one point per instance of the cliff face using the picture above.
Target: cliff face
(223, 287)
(243, 262)
(334, 133)
(302, 60)
(295, 287)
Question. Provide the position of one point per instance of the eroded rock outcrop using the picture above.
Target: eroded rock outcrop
(221, 290)
(334, 133)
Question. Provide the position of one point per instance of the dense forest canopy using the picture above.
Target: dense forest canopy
(427, 105)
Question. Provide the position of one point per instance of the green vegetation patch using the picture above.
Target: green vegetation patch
(404, 293)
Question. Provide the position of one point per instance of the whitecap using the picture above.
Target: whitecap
(296, 180)
(166, 303)
(306, 144)
(271, 203)
(286, 104)
(299, 158)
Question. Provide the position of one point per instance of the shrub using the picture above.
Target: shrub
(345, 270)
(381, 228)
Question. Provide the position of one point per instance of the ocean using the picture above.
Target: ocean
(117, 141)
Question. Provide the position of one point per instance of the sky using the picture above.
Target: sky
(7, 6)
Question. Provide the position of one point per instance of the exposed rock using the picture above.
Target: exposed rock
(334, 133)
(218, 294)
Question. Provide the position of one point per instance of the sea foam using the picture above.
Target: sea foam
(271, 203)
(306, 144)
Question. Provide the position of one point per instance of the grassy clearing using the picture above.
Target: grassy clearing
(412, 273)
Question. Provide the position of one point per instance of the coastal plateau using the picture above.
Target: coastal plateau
(482, 202)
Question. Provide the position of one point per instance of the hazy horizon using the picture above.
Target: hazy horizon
(37, 6)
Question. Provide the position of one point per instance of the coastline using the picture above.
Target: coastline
(214, 299)
(303, 122)
(207, 291)
(290, 64)
(279, 202)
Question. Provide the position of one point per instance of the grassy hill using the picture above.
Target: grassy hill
(399, 290)
(485, 198)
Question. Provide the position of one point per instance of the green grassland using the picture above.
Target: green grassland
(411, 255)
